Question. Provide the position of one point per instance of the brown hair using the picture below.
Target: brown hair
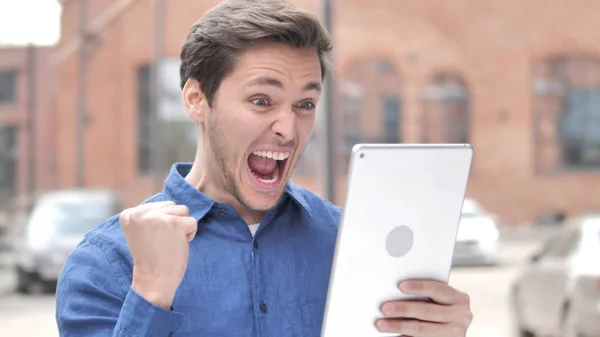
(223, 33)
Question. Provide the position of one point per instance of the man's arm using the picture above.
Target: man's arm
(95, 298)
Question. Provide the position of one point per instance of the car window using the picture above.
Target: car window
(79, 218)
(562, 245)
(69, 218)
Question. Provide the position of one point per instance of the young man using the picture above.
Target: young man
(231, 248)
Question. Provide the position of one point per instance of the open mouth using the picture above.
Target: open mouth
(268, 167)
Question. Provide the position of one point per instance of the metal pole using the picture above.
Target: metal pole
(31, 98)
(327, 135)
(155, 129)
(82, 94)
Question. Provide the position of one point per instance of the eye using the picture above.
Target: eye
(306, 105)
(260, 102)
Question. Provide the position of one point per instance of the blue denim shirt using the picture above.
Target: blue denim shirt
(273, 284)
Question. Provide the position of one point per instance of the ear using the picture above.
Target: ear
(194, 101)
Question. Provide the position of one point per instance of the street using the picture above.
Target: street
(27, 316)
(488, 287)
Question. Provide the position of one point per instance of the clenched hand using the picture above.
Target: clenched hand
(158, 236)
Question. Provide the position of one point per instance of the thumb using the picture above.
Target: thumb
(190, 226)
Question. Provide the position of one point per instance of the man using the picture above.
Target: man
(230, 247)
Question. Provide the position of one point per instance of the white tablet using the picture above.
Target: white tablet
(400, 221)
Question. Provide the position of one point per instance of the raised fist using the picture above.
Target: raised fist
(158, 236)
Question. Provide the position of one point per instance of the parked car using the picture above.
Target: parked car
(558, 291)
(477, 238)
(57, 223)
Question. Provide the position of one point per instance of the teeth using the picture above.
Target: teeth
(272, 155)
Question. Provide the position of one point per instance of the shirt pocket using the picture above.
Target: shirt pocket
(312, 317)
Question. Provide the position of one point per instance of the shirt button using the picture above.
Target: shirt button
(263, 306)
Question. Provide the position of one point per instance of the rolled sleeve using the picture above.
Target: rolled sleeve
(140, 317)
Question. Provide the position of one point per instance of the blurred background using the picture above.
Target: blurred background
(91, 120)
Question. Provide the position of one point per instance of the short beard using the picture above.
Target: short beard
(218, 146)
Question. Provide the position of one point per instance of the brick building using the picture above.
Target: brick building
(498, 74)
(27, 90)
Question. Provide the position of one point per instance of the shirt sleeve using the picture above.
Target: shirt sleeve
(92, 299)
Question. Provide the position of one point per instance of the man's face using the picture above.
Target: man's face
(261, 119)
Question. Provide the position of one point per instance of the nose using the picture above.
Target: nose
(285, 126)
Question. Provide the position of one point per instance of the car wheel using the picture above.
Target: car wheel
(522, 332)
(569, 323)
(24, 280)
(28, 283)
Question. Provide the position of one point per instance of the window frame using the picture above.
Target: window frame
(12, 75)
(555, 85)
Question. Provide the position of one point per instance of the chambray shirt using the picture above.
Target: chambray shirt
(273, 284)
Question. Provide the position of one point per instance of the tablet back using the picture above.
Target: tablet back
(400, 221)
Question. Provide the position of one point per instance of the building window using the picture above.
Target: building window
(351, 105)
(351, 122)
(144, 119)
(370, 94)
(8, 162)
(177, 133)
(445, 110)
(390, 119)
(566, 105)
(8, 86)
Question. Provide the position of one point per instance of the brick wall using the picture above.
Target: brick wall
(490, 45)
(15, 114)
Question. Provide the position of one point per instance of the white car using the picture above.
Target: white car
(477, 238)
(558, 292)
(57, 223)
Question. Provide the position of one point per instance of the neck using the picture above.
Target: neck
(208, 179)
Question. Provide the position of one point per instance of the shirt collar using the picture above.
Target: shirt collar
(178, 190)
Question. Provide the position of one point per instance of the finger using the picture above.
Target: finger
(190, 227)
(438, 292)
(423, 311)
(153, 205)
(178, 210)
(417, 328)
(142, 209)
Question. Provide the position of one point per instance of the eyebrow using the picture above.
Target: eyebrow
(260, 81)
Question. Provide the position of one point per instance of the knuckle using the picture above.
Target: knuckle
(404, 309)
(124, 216)
(419, 328)
(183, 210)
(172, 221)
(458, 331)
(467, 299)
(469, 316)
(136, 214)
(430, 311)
